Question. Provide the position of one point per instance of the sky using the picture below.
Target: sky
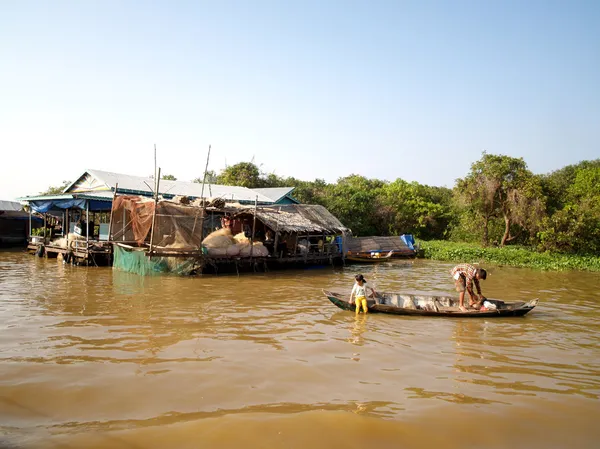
(312, 89)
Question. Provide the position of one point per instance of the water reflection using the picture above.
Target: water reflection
(358, 329)
(502, 355)
(91, 348)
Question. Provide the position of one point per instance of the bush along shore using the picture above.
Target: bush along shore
(512, 256)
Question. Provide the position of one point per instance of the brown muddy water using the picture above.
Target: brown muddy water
(96, 358)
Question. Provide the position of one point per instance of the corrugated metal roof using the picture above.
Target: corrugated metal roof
(139, 184)
(275, 193)
(11, 206)
(298, 218)
(377, 243)
(101, 196)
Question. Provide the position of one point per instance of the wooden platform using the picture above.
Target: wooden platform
(92, 253)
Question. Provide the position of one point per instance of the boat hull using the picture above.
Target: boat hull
(368, 258)
(440, 306)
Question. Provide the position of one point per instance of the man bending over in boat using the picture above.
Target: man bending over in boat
(464, 276)
(359, 292)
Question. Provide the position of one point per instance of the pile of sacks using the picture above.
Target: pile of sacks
(67, 242)
(224, 243)
(218, 203)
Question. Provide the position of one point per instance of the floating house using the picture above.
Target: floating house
(186, 237)
(77, 221)
(15, 225)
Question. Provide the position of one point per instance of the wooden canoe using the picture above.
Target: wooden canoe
(421, 305)
(367, 257)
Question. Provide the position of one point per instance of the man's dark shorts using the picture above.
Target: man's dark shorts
(461, 284)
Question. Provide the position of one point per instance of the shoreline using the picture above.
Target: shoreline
(443, 250)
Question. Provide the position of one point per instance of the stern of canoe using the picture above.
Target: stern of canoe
(341, 303)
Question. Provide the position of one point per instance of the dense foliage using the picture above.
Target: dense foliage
(573, 220)
(515, 256)
(499, 202)
(501, 187)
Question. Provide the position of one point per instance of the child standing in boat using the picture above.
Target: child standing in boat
(359, 293)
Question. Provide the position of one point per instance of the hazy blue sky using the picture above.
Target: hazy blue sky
(386, 89)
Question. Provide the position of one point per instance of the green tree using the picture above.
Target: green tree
(244, 174)
(354, 200)
(502, 187)
(307, 192)
(168, 177)
(556, 184)
(414, 208)
(211, 178)
(574, 225)
(56, 190)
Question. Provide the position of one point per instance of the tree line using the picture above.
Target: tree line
(500, 202)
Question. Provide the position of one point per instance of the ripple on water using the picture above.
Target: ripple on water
(92, 349)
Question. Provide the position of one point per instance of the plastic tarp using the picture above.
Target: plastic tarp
(132, 218)
(136, 261)
(409, 240)
(44, 206)
(175, 225)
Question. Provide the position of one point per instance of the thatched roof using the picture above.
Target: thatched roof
(367, 244)
(297, 218)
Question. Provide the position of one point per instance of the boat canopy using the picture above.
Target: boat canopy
(97, 201)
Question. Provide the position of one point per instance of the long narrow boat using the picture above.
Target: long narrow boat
(447, 306)
(368, 257)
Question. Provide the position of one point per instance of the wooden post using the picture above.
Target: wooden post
(203, 202)
(205, 171)
(87, 223)
(296, 246)
(154, 213)
(253, 227)
(110, 239)
(45, 221)
(276, 240)
(307, 246)
(124, 220)
(202, 226)
(30, 224)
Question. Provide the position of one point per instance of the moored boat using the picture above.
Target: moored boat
(372, 257)
(364, 249)
(423, 305)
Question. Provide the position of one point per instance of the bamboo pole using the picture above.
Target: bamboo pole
(112, 208)
(203, 202)
(296, 246)
(154, 213)
(307, 246)
(253, 227)
(276, 241)
(205, 171)
(202, 227)
(87, 223)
